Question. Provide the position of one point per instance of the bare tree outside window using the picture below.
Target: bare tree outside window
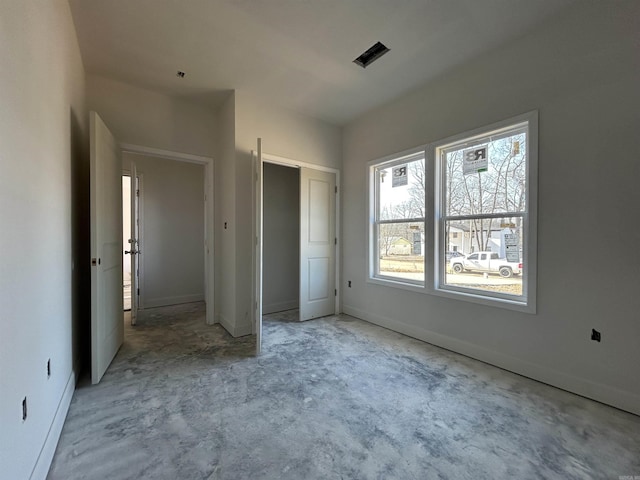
(400, 215)
(488, 206)
(483, 209)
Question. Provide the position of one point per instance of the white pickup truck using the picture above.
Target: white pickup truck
(487, 262)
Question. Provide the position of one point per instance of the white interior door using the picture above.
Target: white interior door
(317, 243)
(107, 328)
(134, 243)
(258, 250)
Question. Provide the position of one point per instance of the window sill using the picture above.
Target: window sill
(479, 299)
(395, 282)
(516, 305)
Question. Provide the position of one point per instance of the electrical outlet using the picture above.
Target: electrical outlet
(24, 409)
(349, 283)
(49, 368)
(595, 335)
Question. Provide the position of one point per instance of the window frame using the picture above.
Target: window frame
(526, 303)
(373, 196)
(435, 243)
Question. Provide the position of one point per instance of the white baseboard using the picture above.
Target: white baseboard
(43, 463)
(228, 326)
(280, 306)
(166, 301)
(242, 330)
(233, 329)
(601, 393)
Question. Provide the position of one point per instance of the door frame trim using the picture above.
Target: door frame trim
(287, 162)
(127, 173)
(208, 163)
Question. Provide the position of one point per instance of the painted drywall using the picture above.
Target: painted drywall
(581, 71)
(286, 134)
(281, 238)
(225, 223)
(172, 241)
(44, 233)
(142, 117)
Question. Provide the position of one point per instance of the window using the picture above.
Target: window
(397, 236)
(484, 184)
(478, 191)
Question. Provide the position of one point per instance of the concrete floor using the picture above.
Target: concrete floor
(330, 398)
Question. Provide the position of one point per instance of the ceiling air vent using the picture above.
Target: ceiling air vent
(371, 55)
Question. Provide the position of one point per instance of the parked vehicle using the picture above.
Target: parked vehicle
(487, 262)
(451, 254)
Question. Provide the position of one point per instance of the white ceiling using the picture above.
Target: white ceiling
(295, 53)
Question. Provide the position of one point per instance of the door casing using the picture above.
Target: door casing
(257, 216)
(208, 164)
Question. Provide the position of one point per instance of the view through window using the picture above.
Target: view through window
(400, 218)
(484, 205)
(480, 230)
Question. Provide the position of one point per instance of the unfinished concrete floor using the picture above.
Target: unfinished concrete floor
(330, 398)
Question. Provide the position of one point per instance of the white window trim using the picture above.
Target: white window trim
(435, 203)
(432, 267)
(373, 203)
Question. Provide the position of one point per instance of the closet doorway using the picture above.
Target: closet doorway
(296, 219)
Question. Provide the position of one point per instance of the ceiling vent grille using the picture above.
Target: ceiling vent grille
(371, 55)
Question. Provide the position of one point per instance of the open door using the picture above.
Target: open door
(134, 244)
(257, 165)
(317, 243)
(107, 328)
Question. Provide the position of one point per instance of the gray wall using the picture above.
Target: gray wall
(581, 71)
(281, 238)
(44, 236)
(172, 245)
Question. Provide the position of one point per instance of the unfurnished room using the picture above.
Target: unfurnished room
(350, 239)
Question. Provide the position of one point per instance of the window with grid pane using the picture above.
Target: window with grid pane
(483, 205)
(398, 228)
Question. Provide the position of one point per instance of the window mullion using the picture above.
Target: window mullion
(483, 216)
(401, 220)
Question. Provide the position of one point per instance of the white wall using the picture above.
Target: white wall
(286, 134)
(581, 71)
(150, 119)
(281, 238)
(172, 258)
(142, 117)
(43, 198)
(225, 224)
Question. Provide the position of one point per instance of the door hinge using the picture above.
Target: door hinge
(137, 193)
(138, 292)
(336, 188)
(335, 292)
(335, 241)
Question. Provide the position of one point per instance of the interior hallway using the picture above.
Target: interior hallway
(330, 398)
